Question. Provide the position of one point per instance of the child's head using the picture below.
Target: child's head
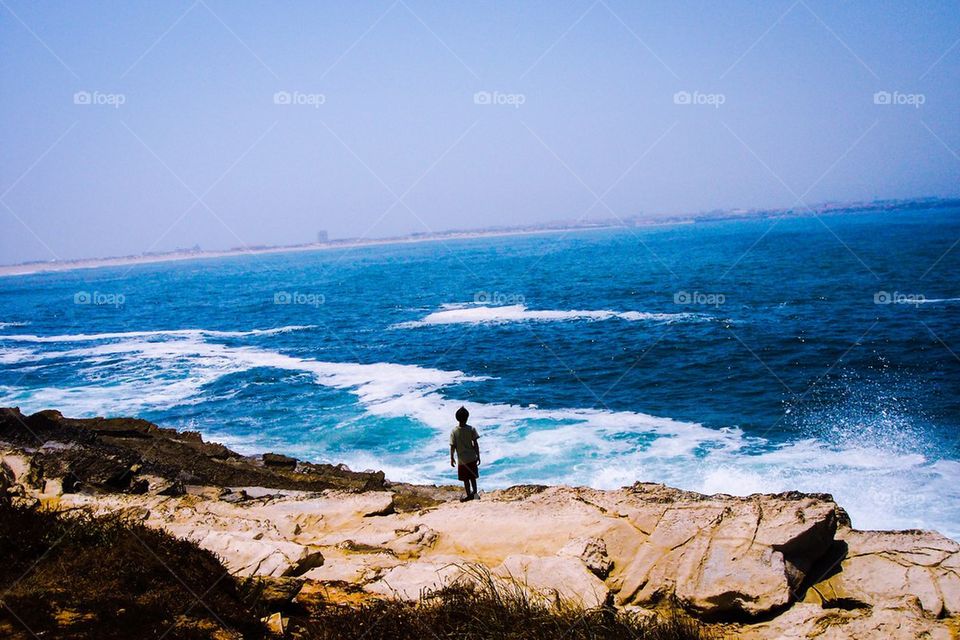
(462, 415)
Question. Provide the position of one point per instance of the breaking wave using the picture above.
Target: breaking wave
(883, 482)
(452, 314)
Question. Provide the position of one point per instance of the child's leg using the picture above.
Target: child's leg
(466, 486)
(473, 485)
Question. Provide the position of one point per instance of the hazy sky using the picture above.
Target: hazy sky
(180, 137)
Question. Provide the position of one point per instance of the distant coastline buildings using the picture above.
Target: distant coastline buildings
(639, 220)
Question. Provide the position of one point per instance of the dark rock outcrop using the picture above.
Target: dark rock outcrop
(276, 594)
(136, 456)
(279, 460)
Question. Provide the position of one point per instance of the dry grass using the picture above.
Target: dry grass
(80, 576)
(481, 607)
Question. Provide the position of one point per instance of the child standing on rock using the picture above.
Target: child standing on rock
(463, 442)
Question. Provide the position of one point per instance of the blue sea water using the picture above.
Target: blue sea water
(816, 354)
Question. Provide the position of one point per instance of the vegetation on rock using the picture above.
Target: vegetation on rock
(78, 576)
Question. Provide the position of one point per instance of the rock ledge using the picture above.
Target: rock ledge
(786, 565)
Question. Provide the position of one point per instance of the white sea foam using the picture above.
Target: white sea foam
(880, 489)
(881, 483)
(161, 374)
(463, 314)
(17, 356)
(4, 325)
(185, 333)
(932, 300)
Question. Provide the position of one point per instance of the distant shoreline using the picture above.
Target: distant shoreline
(34, 268)
(177, 256)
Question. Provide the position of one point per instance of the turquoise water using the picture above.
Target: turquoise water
(726, 357)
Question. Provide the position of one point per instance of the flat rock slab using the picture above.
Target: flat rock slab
(411, 581)
(247, 556)
(892, 568)
(804, 621)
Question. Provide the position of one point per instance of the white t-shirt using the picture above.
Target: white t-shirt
(463, 438)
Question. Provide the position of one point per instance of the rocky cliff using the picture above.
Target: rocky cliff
(786, 565)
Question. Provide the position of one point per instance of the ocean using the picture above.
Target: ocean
(817, 354)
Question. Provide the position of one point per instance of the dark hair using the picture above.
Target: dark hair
(462, 414)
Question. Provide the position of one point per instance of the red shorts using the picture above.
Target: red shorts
(468, 471)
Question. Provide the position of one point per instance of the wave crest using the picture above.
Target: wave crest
(126, 335)
(450, 314)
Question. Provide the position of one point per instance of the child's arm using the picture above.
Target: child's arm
(453, 462)
(476, 447)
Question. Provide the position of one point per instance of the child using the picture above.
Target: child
(463, 441)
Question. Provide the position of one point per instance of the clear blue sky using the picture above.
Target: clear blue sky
(200, 153)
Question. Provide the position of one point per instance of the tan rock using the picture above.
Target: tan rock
(411, 542)
(722, 555)
(719, 555)
(490, 530)
(312, 516)
(592, 552)
(275, 624)
(888, 568)
(732, 576)
(555, 578)
(411, 581)
(353, 568)
(246, 556)
(804, 620)
(16, 465)
(52, 492)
